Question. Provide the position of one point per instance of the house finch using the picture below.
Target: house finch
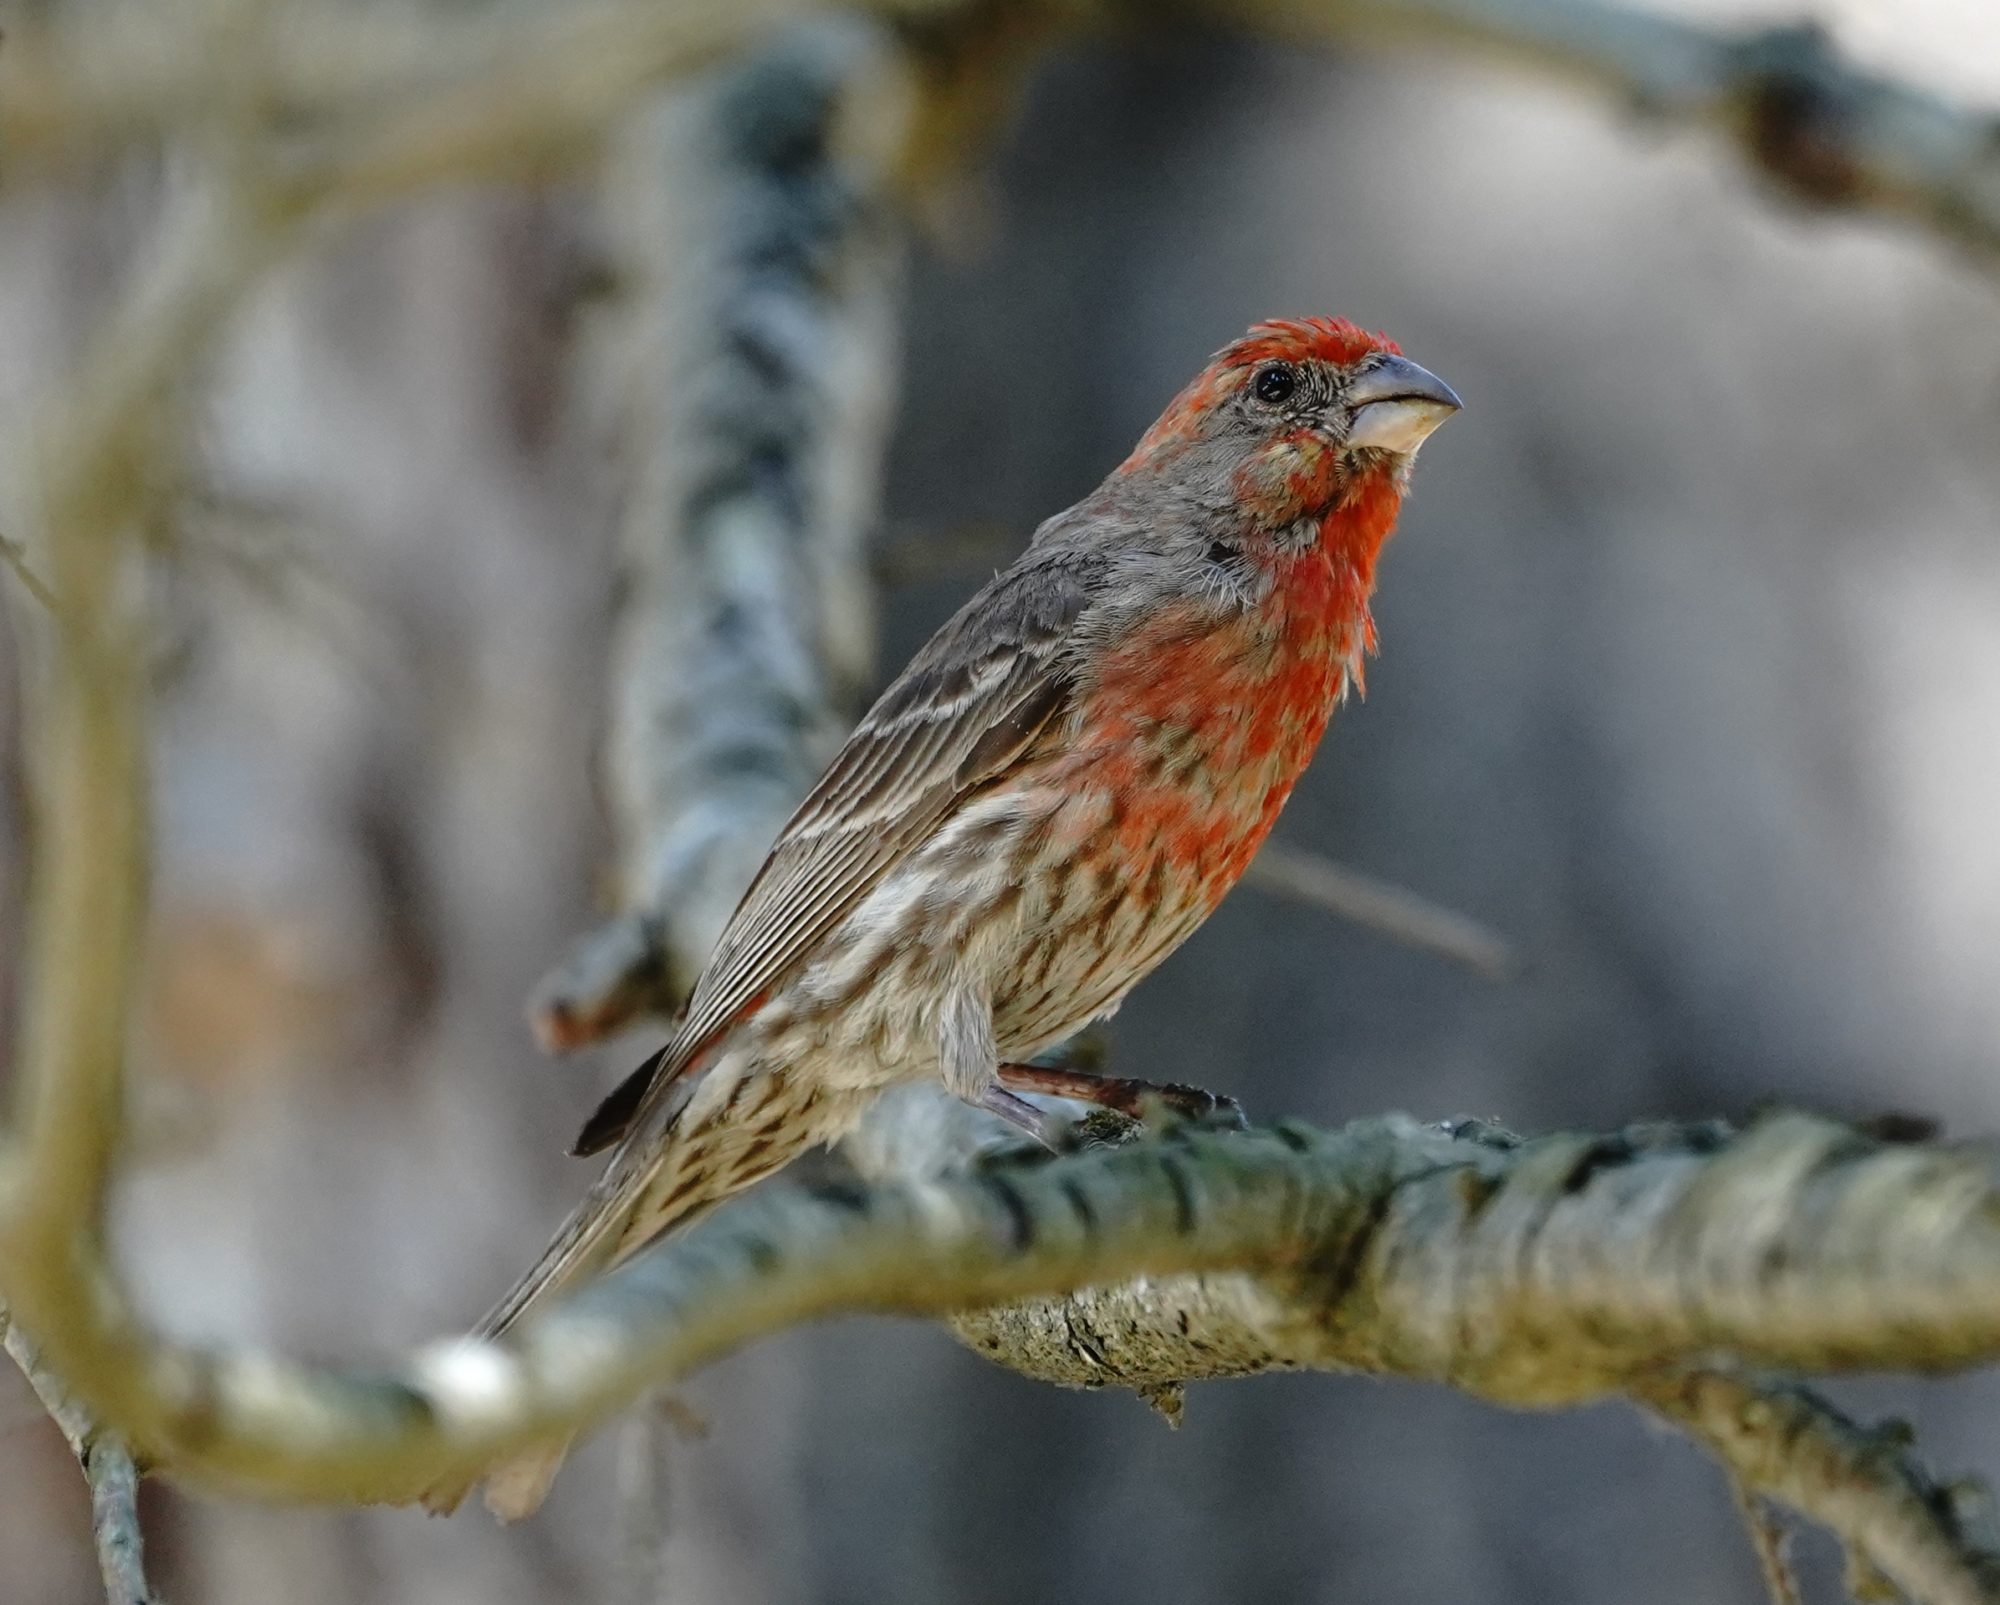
(1046, 802)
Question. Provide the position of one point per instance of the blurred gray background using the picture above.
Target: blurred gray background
(1690, 685)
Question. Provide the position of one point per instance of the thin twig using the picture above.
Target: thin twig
(15, 556)
(108, 1472)
(1400, 915)
(1770, 1542)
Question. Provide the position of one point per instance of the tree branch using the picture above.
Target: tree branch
(1770, 1541)
(108, 1472)
(15, 556)
(460, 89)
(109, 463)
(106, 470)
(1402, 916)
(383, 110)
(1534, 1274)
(1823, 130)
(545, 96)
(768, 265)
(1923, 1540)
(1654, 1264)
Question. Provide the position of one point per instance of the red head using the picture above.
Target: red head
(1296, 412)
(1264, 492)
(1289, 452)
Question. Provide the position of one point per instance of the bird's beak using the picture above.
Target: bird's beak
(1396, 405)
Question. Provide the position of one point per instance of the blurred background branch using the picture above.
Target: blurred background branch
(16, 559)
(413, 98)
(1402, 916)
(1822, 129)
(763, 256)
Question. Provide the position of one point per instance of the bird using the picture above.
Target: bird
(1048, 800)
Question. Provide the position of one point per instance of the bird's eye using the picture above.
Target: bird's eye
(1274, 383)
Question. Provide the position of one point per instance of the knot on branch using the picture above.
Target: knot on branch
(1803, 110)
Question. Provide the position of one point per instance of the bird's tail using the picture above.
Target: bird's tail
(738, 1123)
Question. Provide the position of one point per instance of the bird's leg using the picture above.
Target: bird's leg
(1120, 1093)
(1047, 1129)
(966, 1056)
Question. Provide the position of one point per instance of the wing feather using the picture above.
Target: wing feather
(967, 708)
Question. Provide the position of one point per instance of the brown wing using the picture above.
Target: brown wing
(969, 704)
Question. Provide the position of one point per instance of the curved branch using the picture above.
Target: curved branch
(1533, 1274)
(106, 469)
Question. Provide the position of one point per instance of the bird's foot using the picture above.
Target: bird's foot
(1144, 1101)
(1051, 1131)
